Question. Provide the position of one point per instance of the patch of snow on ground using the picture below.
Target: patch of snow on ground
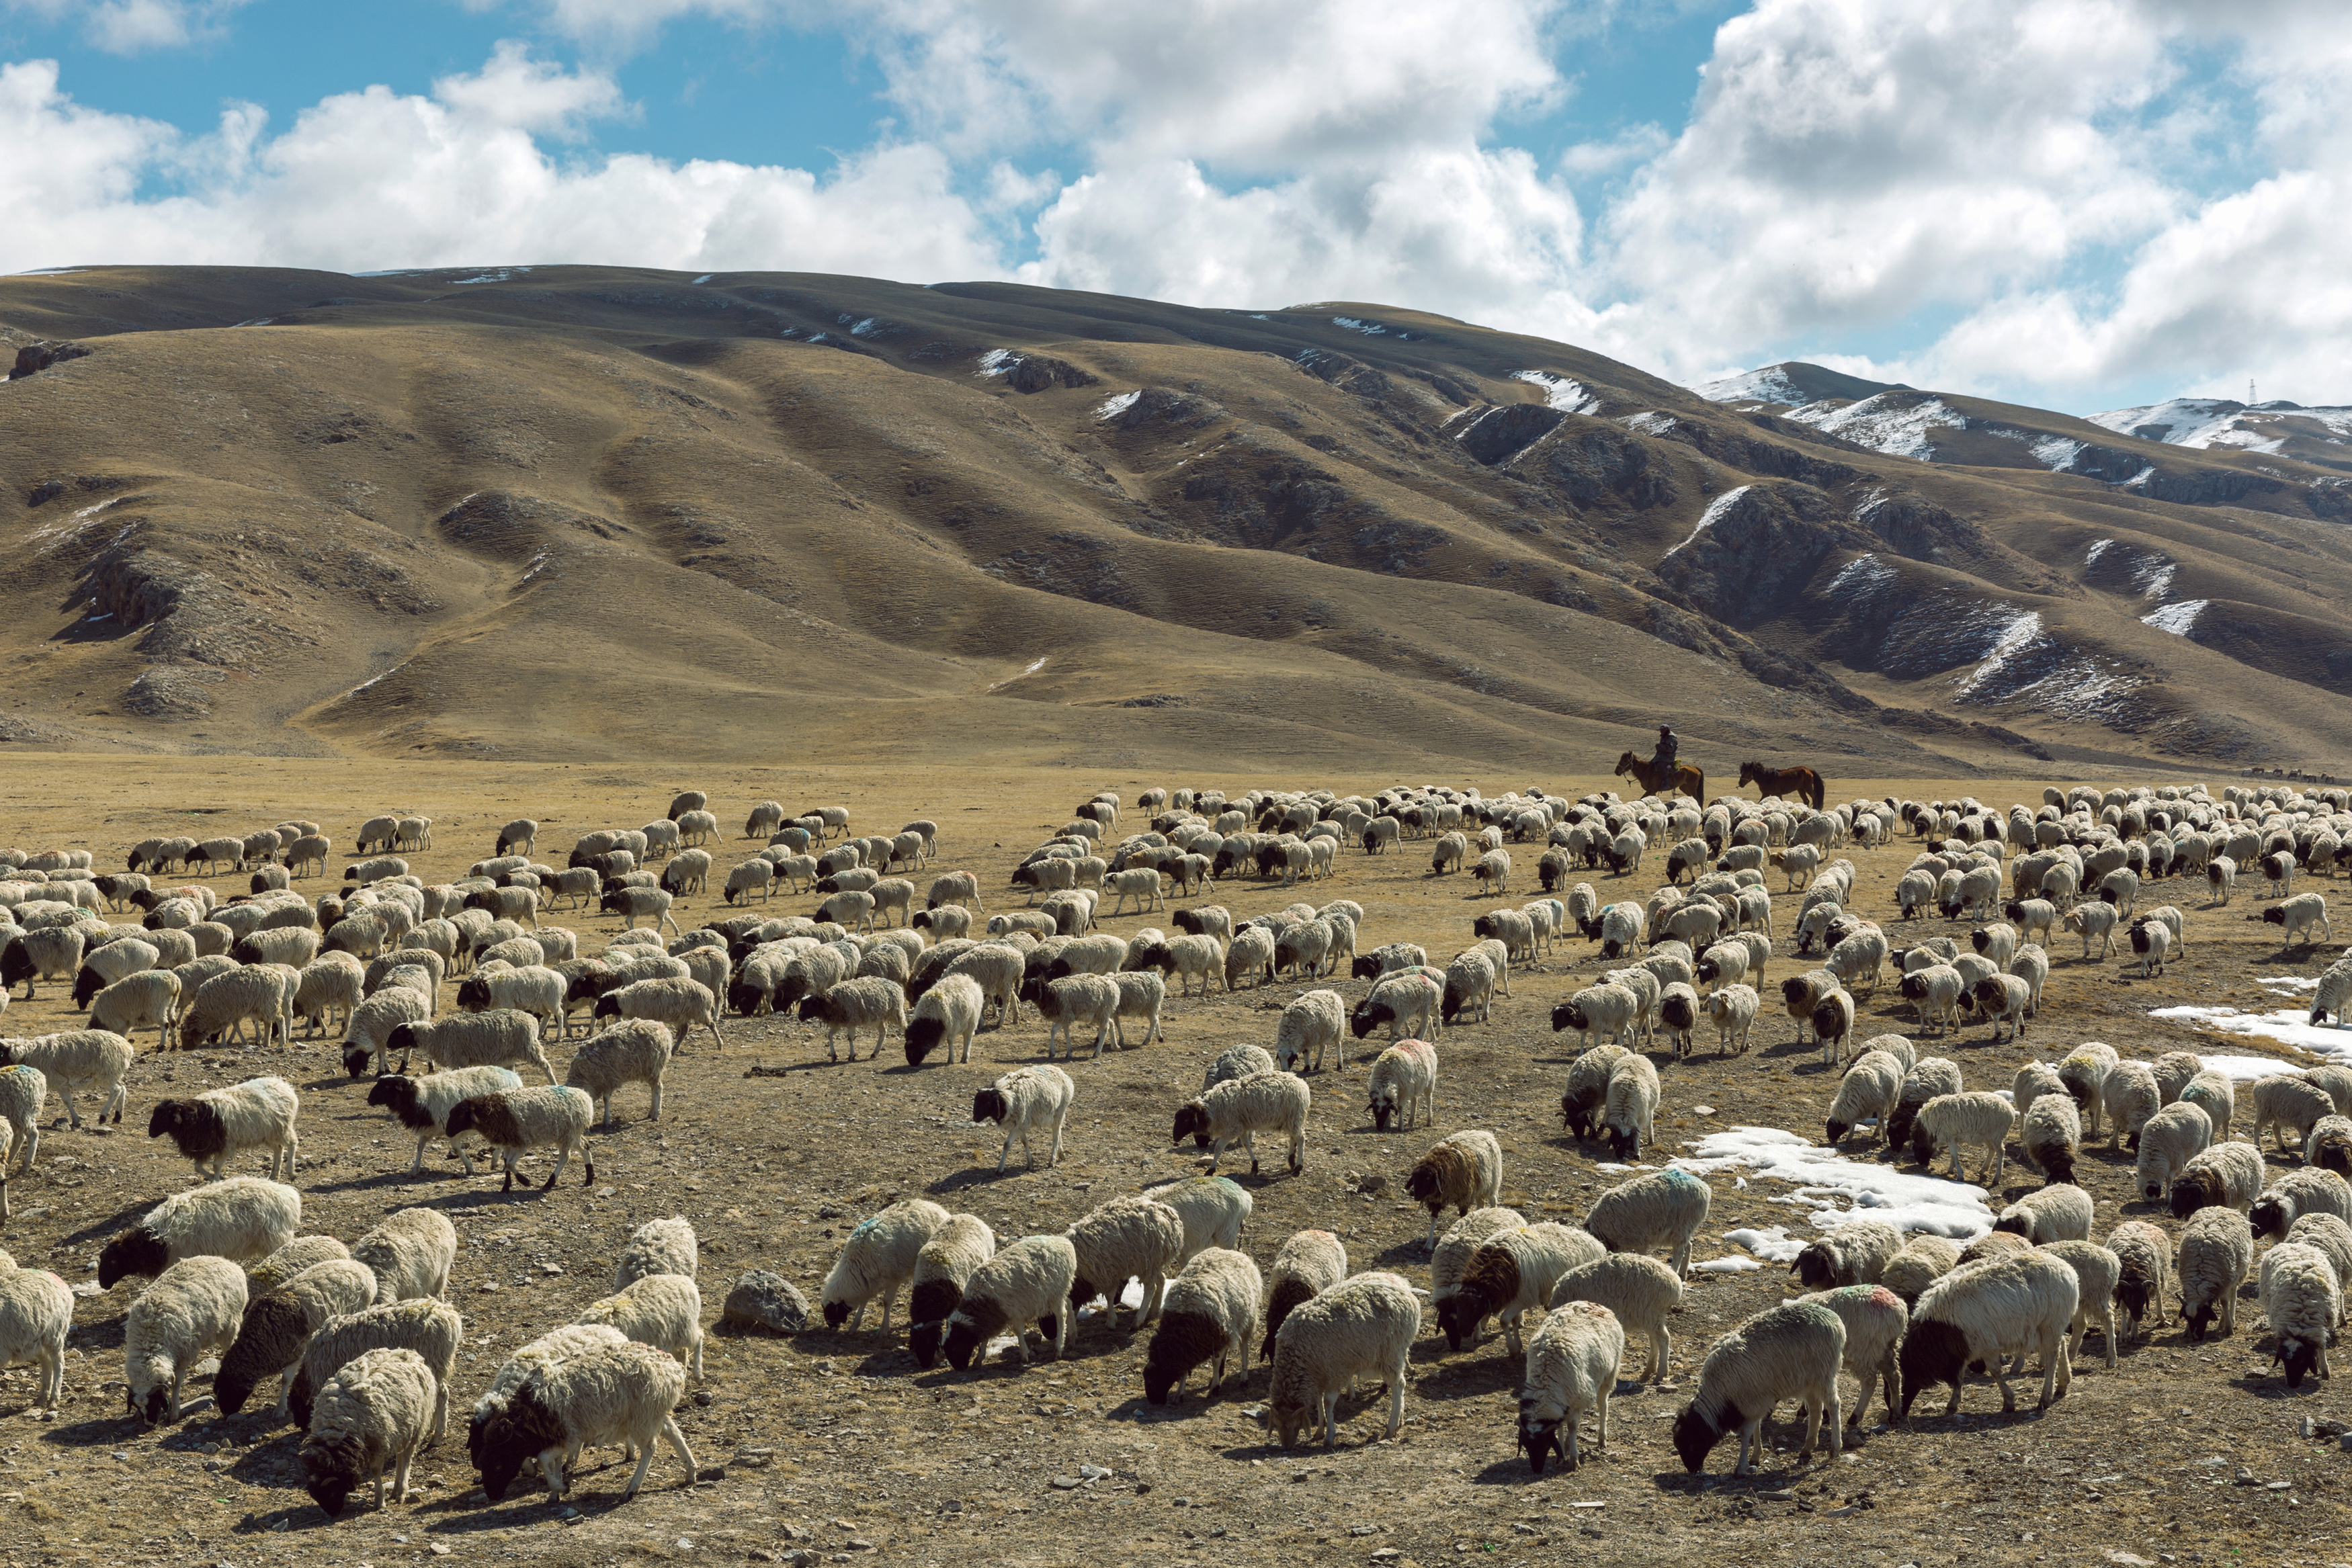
(2016, 635)
(1768, 385)
(2098, 549)
(1886, 421)
(1369, 329)
(2177, 618)
(705, 278)
(1727, 1266)
(1859, 575)
(996, 363)
(2142, 477)
(1650, 423)
(2057, 452)
(493, 274)
(1715, 508)
(1873, 1191)
(1567, 396)
(2153, 575)
(1771, 1243)
(1113, 407)
(865, 328)
(2288, 1025)
(1457, 414)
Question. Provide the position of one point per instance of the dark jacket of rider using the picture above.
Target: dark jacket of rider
(1668, 746)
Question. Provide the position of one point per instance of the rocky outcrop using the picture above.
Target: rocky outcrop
(1501, 433)
(1040, 373)
(39, 356)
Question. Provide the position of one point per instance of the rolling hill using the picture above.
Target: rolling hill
(580, 513)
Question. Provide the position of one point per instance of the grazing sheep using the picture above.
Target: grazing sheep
(35, 1317)
(277, 1323)
(2084, 1073)
(2167, 1142)
(191, 1311)
(1509, 1273)
(2303, 1300)
(1403, 1081)
(618, 1393)
(2144, 1272)
(950, 1012)
(240, 1218)
(2059, 1212)
(95, 1059)
(221, 1123)
(1126, 1238)
(1571, 1367)
(513, 1120)
(1212, 1315)
(368, 1031)
(1274, 1103)
(941, 1269)
(1630, 1106)
(410, 1252)
(1933, 1075)
(2014, 1306)
(227, 1003)
(1465, 1170)
(2216, 1251)
(53, 953)
(1469, 987)
(501, 1038)
(1661, 1209)
(865, 1002)
(1213, 1209)
(1027, 1103)
(1876, 1319)
(2226, 1175)
(664, 1311)
(1959, 1122)
(2099, 1273)
(300, 1253)
(2050, 1136)
(637, 1051)
(1855, 1253)
(2282, 1103)
(1639, 1290)
(878, 1257)
(2295, 1194)
(1308, 1264)
(371, 1416)
(2128, 1096)
(1868, 1093)
(1923, 1261)
(1026, 1283)
(1791, 1351)
(1363, 1327)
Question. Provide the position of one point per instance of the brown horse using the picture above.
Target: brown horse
(1802, 783)
(1686, 780)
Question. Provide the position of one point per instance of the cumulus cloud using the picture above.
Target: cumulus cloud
(133, 26)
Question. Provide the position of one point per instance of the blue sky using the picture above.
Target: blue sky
(2083, 204)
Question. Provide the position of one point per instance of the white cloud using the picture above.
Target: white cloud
(132, 27)
(513, 89)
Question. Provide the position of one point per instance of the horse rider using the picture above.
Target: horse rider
(1667, 746)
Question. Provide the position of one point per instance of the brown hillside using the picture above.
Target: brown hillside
(567, 511)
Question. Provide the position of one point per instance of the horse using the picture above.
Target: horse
(1686, 780)
(1802, 783)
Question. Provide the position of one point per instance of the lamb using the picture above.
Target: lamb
(1403, 1081)
(1126, 1238)
(2050, 1136)
(1960, 1121)
(1868, 1093)
(191, 1312)
(1923, 1261)
(664, 1311)
(410, 1252)
(1856, 1253)
(878, 1259)
(2303, 1300)
(941, 1269)
(1661, 1209)
(1628, 1111)
(1309, 1263)
(35, 1317)
(496, 1039)
(2012, 1306)
(1791, 1351)
(1310, 1024)
(240, 1218)
(2216, 1251)
(1509, 1273)
(1571, 1367)
(277, 1324)
(69, 1063)
(2059, 1212)
(1363, 1327)
(601, 1394)
(1027, 1103)
(2284, 1102)
(1465, 1170)
(1026, 1283)
(1932, 1076)
(513, 1120)
(2298, 915)
(1212, 1314)
(637, 1051)
(1243, 1108)
(2294, 1195)
(1639, 1290)
(2144, 1270)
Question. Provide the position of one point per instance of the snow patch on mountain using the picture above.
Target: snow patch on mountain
(1897, 424)
(2178, 619)
(1567, 396)
(1770, 384)
(2207, 423)
(1715, 508)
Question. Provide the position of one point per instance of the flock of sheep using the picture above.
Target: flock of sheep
(364, 1344)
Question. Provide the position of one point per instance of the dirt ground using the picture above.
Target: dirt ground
(833, 1445)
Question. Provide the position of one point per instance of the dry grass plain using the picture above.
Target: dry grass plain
(836, 1445)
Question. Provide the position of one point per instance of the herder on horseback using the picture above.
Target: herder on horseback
(1663, 764)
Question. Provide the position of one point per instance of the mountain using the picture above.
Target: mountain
(2316, 436)
(591, 513)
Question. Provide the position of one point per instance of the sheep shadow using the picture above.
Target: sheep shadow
(99, 1432)
(402, 1177)
(1474, 1372)
(104, 1229)
(975, 1176)
(1397, 1256)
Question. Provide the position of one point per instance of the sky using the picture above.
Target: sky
(2082, 204)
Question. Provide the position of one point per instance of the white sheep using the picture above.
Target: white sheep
(1211, 1316)
(1876, 1319)
(2059, 1212)
(1404, 1083)
(1309, 1025)
(1363, 1327)
(1639, 1290)
(35, 1317)
(1630, 1106)
(149, 999)
(279, 1321)
(1126, 1238)
(621, 1394)
(501, 1038)
(1028, 1102)
(664, 1311)
(1791, 1351)
(2003, 1307)
(411, 1251)
(73, 1062)
(1868, 1093)
(221, 1123)
(1571, 1367)
(191, 1311)
(2284, 1104)
(1214, 1210)
(2099, 1273)
(2050, 1136)
(1465, 1170)
(1856, 1253)
(1976, 1119)
(1026, 1283)
(240, 1218)
(1661, 1209)
(2217, 1249)
(1732, 1010)
(878, 1257)
(1237, 1110)
(514, 1119)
